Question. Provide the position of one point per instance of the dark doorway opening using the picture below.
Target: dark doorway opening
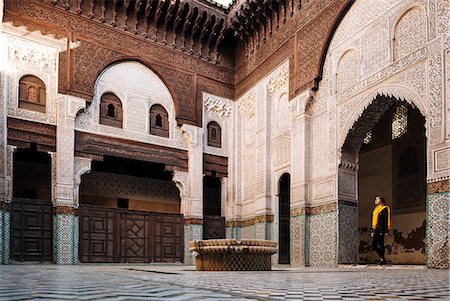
(213, 222)
(31, 208)
(284, 219)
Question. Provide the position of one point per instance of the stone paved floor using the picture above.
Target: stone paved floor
(154, 282)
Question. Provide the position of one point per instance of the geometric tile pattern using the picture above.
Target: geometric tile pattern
(138, 282)
(348, 234)
(233, 262)
(322, 239)
(438, 230)
(298, 241)
(191, 232)
(4, 237)
(65, 227)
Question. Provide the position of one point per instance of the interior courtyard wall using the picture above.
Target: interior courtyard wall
(368, 29)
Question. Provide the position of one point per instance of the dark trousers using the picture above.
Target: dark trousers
(378, 243)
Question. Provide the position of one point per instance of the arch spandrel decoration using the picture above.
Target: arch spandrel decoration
(397, 91)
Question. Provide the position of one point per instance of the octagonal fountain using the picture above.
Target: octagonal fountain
(233, 255)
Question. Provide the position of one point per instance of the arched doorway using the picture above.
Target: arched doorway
(385, 154)
(284, 219)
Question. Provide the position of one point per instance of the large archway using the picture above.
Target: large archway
(384, 153)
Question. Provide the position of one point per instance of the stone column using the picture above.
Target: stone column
(192, 200)
(438, 224)
(65, 221)
(300, 178)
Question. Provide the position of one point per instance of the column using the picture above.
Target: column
(300, 178)
(64, 196)
(192, 201)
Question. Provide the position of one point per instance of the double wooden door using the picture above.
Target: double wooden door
(121, 235)
(31, 230)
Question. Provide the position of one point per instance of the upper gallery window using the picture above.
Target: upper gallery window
(111, 112)
(399, 121)
(214, 134)
(159, 121)
(32, 94)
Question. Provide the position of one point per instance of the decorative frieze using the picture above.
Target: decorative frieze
(217, 106)
(246, 105)
(279, 80)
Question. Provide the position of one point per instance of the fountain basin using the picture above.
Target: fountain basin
(233, 255)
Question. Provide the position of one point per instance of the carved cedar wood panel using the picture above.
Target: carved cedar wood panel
(121, 235)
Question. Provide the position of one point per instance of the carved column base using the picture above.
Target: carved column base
(193, 230)
(4, 233)
(65, 228)
(438, 200)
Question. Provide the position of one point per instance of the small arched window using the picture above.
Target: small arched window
(32, 94)
(399, 121)
(111, 112)
(214, 134)
(159, 121)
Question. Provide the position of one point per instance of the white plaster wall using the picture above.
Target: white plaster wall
(363, 45)
(31, 53)
(138, 88)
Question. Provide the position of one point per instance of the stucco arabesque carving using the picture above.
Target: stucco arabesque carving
(180, 178)
(246, 105)
(279, 80)
(31, 54)
(355, 109)
(81, 167)
(218, 106)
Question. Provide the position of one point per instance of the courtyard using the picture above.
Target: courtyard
(177, 282)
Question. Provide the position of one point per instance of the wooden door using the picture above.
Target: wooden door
(97, 234)
(135, 241)
(122, 235)
(31, 230)
(284, 220)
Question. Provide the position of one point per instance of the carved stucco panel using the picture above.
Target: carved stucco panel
(319, 124)
(138, 88)
(435, 80)
(360, 15)
(410, 32)
(32, 58)
(218, 109)
(447, 91)
(348, 70)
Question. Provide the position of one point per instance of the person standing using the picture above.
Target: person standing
(381, 224)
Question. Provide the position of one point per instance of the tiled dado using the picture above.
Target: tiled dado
(313, 236)
(65, 235)
(438, 200)
(4, 232)
(193, 230)
(258, 227)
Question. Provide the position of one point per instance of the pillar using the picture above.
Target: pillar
(300, 178)
(192, 199)
(64, 196)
